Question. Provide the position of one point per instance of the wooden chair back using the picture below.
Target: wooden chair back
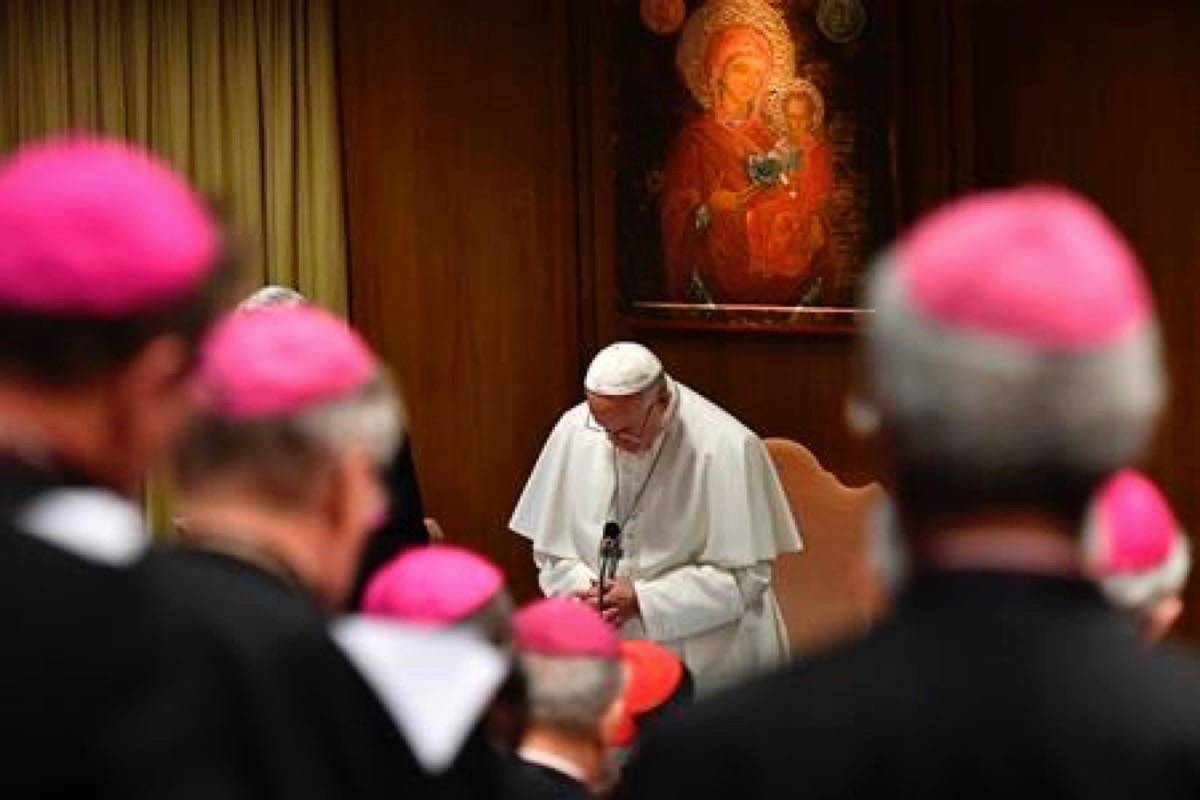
(829, 591)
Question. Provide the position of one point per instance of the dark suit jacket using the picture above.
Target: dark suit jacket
(102, 693)
(527, 781)
(982, 686)
(304, 722)
(404, 526)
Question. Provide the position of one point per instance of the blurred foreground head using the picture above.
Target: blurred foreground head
(111, 270)
(1014, 355)
(1137, 551)
(299, 417)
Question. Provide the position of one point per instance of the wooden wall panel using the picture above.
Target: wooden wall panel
(457, 138)
(1103, 96)
(780, 386)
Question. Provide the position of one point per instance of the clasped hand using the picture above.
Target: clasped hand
(620, 600)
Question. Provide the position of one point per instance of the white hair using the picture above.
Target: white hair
(272, 296)
(571, 695)
(983, 402)
(1141, 592)
(372, 418)
(657, 389)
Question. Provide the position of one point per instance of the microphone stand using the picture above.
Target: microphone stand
(610, 556)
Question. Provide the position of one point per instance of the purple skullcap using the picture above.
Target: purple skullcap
(280, 361)
(435, 585)
(1040, 267)
(1136, 527)
(98, 228)
(562, 628)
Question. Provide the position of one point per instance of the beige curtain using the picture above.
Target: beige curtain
(239, 94)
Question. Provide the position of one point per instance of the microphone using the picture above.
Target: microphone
(610, 555)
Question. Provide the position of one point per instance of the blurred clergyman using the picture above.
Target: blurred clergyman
(573, 664)
(1015, 363)
(404, 524)
(1136, 549)
(445, 587)
(279, 481)
(111, 270)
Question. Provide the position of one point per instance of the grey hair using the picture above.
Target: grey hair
(272, 296)
(655, 390)
(492, 622)
(983, 402)
(571, 695)
(373, 418)
(283, 458)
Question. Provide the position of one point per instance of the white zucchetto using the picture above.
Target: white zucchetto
(621, 369)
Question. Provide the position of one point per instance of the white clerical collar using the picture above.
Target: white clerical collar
(544, 758)
(93, 524)
(434, 685)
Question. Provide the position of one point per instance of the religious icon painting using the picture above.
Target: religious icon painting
(750, 152)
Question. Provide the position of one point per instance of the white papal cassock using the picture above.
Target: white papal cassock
(698, 545)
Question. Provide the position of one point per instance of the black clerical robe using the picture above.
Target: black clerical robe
(306, 725)
(983, 685)
(529, 781)
(404, 526)
(102, 694)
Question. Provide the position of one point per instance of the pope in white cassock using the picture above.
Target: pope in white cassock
(701, 512)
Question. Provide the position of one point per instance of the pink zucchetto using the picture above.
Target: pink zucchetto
(281, 361)
(438, 585)
(1037, 266)
(98, 228)
(1134, 547)
(562, 628)
(1136, 527)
